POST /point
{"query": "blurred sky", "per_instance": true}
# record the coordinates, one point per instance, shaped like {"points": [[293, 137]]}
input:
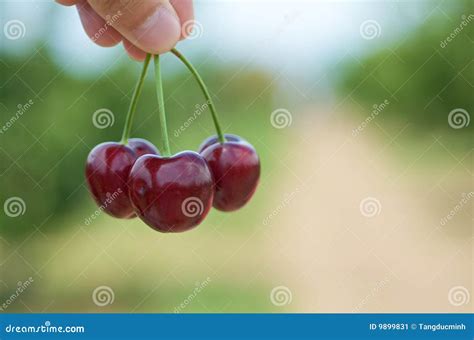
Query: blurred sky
{"points": [[283, 36]]}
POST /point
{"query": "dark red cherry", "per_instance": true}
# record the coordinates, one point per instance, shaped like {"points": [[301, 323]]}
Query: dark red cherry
{"points": [[107, 169], [235, 167], [171, 194], [142, 147], [214, 139]]}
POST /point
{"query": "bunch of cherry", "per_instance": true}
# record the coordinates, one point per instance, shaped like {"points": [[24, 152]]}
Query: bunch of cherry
{"points": [[171, 193]]}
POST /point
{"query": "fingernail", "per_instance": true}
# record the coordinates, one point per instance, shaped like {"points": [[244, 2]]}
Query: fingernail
{"points": [[159, 32]]}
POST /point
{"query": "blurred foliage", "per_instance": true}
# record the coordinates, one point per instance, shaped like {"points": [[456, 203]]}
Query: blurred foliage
{"points": [[423, 75], [44, 150]]}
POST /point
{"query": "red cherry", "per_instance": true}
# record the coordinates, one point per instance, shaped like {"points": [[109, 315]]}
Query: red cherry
{"points": [[107, 169], [142, 147], [235, 167], [214, 139], [171, 194]]}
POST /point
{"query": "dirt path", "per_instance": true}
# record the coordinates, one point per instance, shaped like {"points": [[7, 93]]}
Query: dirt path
{"points": [[398, 257]]}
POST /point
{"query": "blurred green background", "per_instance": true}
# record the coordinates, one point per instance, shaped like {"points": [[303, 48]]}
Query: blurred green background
{"points": [[43, 153]]}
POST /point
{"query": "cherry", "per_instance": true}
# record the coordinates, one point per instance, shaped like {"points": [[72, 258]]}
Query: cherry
{"points": [[142, 147], [214, 139], [171, 194], [235, 167], [234, 163], [107, 170]]}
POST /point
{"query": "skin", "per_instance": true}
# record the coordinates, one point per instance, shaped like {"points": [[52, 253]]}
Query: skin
{"points": [[151, 26]]}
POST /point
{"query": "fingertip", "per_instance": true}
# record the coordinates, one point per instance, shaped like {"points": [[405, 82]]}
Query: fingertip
{"points": [[153, 26], [68, 2], [133, 51], [98, 30], [159, 33], [185, 11]]}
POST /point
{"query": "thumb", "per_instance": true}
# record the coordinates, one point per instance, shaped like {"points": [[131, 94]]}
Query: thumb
{"points": [[152, 25]]}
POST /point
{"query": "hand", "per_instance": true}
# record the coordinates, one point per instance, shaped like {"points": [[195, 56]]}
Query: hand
{"points": [[144, 26]]}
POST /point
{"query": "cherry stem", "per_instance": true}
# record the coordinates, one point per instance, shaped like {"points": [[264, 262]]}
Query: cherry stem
{"points": [[161, 107], [205, 92], [133, 104]]}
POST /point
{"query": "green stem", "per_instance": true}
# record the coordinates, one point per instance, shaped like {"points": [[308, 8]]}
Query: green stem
{"points": [[205, 92], [161, 107], [133, 104]]}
